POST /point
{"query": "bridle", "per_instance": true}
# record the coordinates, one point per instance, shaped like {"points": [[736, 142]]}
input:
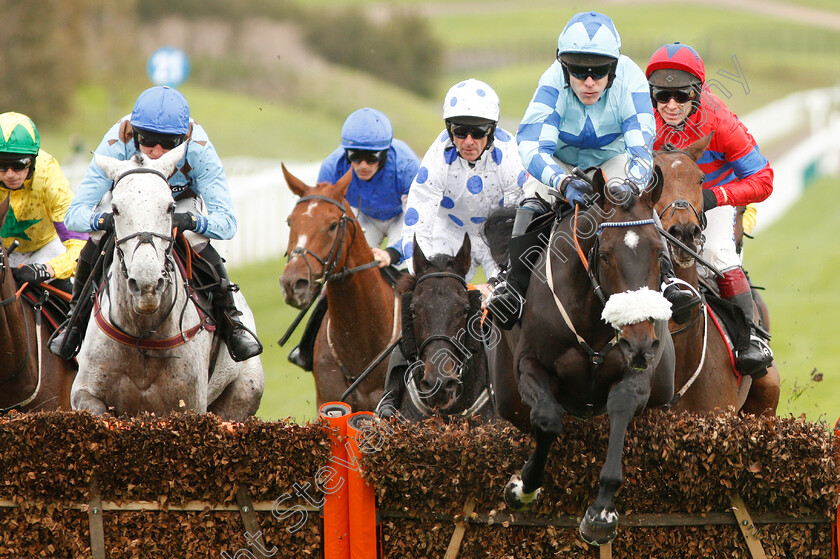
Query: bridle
{"points": [[337, 249], [682, 204], [440, 337], [592, 268]]}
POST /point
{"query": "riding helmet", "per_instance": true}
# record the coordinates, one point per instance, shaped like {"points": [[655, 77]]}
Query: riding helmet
{"points": [[675, 65], [18, 134], [367, 129], [163, 110]]}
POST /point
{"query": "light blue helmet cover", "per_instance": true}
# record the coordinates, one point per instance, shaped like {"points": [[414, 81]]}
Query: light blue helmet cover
{"points": [[163, 110], [367, 129], [590, 33]]}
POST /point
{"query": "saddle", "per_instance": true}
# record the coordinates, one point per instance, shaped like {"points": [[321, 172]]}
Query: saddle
{"points": [[729, 320]]}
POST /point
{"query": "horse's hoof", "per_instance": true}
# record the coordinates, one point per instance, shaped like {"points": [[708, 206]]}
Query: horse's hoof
{"points": [[599, 529], [515, 495]]}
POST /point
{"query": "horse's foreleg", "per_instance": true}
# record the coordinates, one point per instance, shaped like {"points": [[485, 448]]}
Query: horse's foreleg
{"points": [[627, 398], [83, 400], [546, 425]]}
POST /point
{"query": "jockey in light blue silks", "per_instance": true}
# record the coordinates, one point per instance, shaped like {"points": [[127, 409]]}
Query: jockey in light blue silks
{"points": [[471, 168], [159, 122], [383, 168], [591, 111]]}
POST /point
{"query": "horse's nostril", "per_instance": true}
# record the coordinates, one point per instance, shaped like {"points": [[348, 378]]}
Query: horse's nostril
{"points": [[161, 283], [450, 386], [301, 285], [132, 286], [428, 388]]}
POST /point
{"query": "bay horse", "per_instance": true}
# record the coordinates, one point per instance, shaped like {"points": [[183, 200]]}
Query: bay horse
{"points": [[704, 378], [443, 340], [593, 339], [31, 378], [149, 345], [328, 248]]}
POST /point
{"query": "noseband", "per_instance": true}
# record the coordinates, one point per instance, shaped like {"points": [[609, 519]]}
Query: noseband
{"points": [[681, 204], [329, 263]]}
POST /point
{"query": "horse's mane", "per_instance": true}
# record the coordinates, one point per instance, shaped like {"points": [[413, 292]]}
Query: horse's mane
{"points": [[437, 263], [496, 232]]}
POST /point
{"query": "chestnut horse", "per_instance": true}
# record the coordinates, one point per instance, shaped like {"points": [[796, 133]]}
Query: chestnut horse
{"points": [[31, 378], [704, 377], [327, 247], [593, 339]]}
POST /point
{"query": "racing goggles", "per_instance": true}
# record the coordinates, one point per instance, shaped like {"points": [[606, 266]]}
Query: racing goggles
{"points": [[369, 157], [477, 131], [582, 72], [152, 139], [680, 95], [16, 164]]}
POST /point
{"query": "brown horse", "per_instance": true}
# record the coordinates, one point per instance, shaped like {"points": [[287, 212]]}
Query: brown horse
{"points": [[31, 378], [704, 377], [327, 246], [593, 339]]}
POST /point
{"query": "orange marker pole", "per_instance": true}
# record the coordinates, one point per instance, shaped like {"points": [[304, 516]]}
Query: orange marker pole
{"points": [[332, 480], [365, 524]]}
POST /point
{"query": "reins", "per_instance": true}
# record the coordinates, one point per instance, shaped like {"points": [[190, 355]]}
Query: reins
{"points": [[328, 264]]}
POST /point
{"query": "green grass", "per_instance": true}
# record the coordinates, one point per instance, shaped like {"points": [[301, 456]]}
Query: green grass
{"points": [[797, 261]]}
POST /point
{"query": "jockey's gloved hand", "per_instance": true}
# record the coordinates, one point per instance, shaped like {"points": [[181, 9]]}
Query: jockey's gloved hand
{"points": [[32, 273], [104, 222], [709, 200], [576, 191], [184, 221]]}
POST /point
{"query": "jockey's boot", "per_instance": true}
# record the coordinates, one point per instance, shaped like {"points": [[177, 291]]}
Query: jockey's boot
{"points": [[755, 359], [682, 301], [391, 401], [241, 342], [65, 342], [508, 298], [303, 354]]}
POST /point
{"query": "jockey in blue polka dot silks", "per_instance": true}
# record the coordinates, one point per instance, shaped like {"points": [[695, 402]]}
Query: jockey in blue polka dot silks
{"points": [[591, 110], [471, 168]]}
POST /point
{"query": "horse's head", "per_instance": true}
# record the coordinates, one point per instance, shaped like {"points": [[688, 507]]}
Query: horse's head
{"points": [[438, 319], [142, 204], [318, 240], [680, 207], [624, 263]]}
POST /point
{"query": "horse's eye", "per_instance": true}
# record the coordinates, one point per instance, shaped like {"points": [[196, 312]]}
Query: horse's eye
{"points": [[171, 209], [604, 256], [115, 210], [334, 226]]}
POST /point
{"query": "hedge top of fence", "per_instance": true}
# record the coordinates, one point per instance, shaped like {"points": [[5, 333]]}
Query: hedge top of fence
{"points": [[672, 463]]}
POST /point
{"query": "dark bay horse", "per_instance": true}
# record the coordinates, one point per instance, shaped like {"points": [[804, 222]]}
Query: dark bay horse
{"points": [[704, 377], [327, 246], [443, 340], [31, 378], [593, 339]]}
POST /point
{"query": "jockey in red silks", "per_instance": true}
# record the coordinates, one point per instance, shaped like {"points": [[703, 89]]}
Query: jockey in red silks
{"points": [[737, 174]]}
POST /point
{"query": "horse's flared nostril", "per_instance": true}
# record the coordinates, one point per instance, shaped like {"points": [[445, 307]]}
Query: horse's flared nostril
{"points": [[133, 287], [428, 388], [161, 285]]}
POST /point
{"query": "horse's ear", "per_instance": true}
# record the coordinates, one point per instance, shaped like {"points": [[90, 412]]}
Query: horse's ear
{"points": [[420, 262], [343, 183], [598, 184], [464, 257], [696, 149], [113, 167], [654, 190], [4, 208], [296, 185], [168, 161]]}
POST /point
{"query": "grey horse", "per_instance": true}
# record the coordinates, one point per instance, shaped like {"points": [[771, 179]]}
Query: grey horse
{"points": [[147, 346]]}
